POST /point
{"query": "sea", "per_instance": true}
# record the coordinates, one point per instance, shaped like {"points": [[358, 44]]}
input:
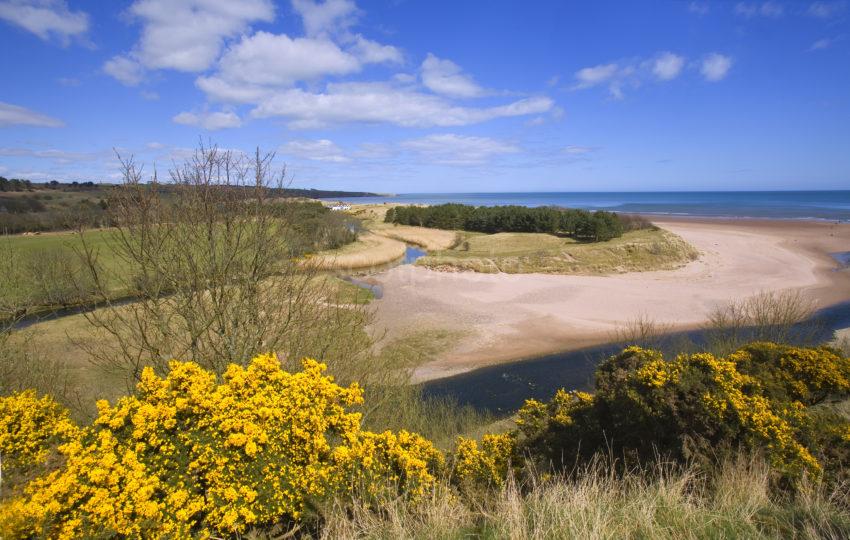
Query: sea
{"points": [[805, 205]]}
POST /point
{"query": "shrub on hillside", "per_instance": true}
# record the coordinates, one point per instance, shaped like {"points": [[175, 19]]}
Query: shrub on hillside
{"points": [[696, 406], [189, 455]]}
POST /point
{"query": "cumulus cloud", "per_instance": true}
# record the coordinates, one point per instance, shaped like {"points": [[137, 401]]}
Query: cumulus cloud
{"points": [[753, 9], [186, 35], [325, 17], [45, 18], [124, 69], [715, 67], [447, 78], [278, 60], [384, 103], [452, 149], [372, 52], [13, 115], [318, 150], [209, 120], [667, 66]]}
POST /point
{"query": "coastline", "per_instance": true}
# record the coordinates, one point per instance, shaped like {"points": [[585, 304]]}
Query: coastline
{"points": [[509, 317]]}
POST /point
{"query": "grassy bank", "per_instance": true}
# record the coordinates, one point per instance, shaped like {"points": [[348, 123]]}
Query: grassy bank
{"points": [[735, 501], [515, 253], [370, 250]]}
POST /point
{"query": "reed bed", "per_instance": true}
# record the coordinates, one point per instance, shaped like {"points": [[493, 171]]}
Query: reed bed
{"points": [[368, 251]]}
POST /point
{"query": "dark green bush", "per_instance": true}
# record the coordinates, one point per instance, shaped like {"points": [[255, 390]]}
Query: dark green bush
{"points": [[580, 224]]}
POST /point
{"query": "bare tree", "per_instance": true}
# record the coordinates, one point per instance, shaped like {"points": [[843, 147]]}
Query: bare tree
{"points": [[781, 317], [209, 260]]}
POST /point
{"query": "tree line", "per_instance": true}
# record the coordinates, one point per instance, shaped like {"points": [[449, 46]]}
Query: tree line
{"points": [[582, 225]]}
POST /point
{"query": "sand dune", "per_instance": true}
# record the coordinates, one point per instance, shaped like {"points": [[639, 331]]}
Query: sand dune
{"points": [[506, 317]]}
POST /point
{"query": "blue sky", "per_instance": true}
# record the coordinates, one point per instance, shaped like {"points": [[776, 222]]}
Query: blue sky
{"points": [[432, 96]]}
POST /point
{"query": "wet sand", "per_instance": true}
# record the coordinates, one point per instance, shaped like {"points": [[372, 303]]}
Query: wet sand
{"points": [[506, 317]]}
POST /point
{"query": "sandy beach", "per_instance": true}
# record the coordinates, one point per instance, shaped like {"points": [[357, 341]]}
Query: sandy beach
{"points": [[507, 317]]}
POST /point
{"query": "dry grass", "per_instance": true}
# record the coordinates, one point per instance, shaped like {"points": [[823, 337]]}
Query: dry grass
{"points": [[518, 253], [372, 218], [666, 502], [430, 239], [370, 250]]}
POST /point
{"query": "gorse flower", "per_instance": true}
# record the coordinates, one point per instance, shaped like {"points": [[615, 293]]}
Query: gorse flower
{"points": [[191, 456], [29, 427]]}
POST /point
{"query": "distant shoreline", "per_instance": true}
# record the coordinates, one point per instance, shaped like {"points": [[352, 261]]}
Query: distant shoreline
{"points": [[786, 205]]}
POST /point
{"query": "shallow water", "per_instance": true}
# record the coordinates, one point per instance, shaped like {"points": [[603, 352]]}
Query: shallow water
{"points": [[843, 259], [504, 388]]}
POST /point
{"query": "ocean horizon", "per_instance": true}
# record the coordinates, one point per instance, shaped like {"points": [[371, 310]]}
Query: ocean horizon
{"points": [[804, 205]]}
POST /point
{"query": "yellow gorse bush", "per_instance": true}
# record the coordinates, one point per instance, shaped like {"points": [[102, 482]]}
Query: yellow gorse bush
{"points": [[487, 466], [189, 455], [29, 427]]}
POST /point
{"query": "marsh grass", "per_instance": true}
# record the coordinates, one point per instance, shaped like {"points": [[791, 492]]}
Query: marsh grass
{"points": [[515, 253], [369, 251], [735, 500], [430, 239]]}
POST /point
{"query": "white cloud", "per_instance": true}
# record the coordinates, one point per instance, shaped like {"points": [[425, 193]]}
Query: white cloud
{"points": [[592, 76], [209, 121], [826, 10], [13, 115], [372, 52], [124, 69], [187, 35], [277, 60], [753, 9], [154, 145], [259, 66], [45, 18], [667, 66], [715, 67], [384, 103], [326, 17], [447, 78], [319, 150], [455, 149]]}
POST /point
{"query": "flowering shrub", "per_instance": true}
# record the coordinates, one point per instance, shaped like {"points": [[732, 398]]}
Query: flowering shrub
{"points": [[487, 466], [191, 456], [374, 462], [794, 373], [29, 427], [694, 406]]}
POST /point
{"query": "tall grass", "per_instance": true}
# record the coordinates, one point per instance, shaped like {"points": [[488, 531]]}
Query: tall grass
{"points": [[370, 250], [664, 501]]}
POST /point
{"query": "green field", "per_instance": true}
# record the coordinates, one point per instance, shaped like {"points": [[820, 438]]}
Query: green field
{"points": [[516, 253], [45, 271]]}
